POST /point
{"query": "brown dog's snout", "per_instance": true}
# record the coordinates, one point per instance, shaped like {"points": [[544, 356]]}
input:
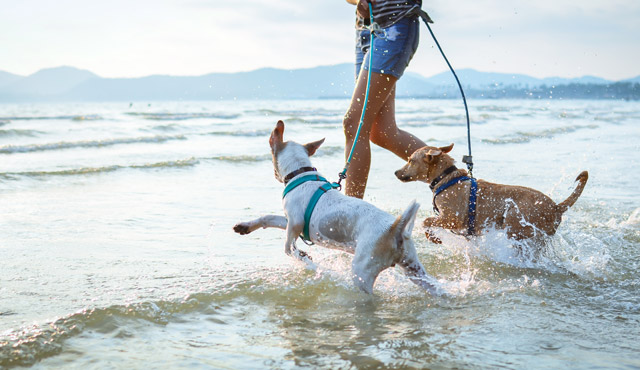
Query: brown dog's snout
{"points": [[402, 176]]}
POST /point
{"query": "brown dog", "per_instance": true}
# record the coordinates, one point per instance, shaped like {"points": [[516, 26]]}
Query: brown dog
{"points": [[523, 212]]}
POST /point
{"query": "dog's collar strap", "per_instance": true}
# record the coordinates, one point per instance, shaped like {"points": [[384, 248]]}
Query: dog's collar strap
{"points": [[297, 172], [473, 199], [299, 181], [442, 176]]}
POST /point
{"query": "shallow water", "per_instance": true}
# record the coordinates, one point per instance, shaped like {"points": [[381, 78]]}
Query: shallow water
{"points": [[116, 246]]}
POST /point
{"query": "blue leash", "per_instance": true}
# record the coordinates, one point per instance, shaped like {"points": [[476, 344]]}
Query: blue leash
{"points": [[468, 159], [342, 175]]}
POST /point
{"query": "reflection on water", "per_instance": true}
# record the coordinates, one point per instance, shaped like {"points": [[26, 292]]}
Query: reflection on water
{"points": [[117, 242]]}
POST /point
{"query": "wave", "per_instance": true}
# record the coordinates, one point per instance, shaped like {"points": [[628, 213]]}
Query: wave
{"points": [[30, 345], [17, 132], [181, 116], [246, 133], [12, 149], [241, 158], [329, 150], [450, 120], [299, 112], [493, 108], [168, 127], [323, 151], [189, 162], [88, 117], [314, 121], [525, 137]]}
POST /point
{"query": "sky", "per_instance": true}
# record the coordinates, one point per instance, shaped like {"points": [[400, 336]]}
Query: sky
{"points": [[134, 38]]}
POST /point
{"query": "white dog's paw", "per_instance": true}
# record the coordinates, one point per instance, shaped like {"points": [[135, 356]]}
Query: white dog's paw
{"points": [[303, 257], [242, 228]]}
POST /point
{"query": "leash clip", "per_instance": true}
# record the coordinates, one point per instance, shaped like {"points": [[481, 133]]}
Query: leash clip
{"points": [[375, 29], [469, 161], [341, 176]]}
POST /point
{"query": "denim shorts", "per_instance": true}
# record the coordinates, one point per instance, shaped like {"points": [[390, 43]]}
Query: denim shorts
{"points": [[393, 47]]}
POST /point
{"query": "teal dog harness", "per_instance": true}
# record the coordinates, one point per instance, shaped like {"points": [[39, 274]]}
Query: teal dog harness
{"points": [[314, 199]]}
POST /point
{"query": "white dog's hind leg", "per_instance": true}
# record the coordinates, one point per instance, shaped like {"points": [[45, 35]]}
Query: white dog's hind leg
{"points": [[243, 228], [365, 268]]}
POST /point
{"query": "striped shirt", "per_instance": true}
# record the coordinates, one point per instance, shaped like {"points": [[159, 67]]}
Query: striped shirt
{"points": [[388, 12]]}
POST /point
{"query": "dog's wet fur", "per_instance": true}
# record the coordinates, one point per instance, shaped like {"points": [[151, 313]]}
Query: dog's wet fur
{"points": [[524, 213], [375, 238]]}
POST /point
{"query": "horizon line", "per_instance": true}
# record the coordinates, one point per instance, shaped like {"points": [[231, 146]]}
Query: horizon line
{"points": [[306, 68]]}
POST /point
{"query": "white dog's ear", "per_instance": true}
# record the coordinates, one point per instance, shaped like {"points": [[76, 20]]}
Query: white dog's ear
{"points": [[313, 146], [276, 137], [446, 149], [431, 154]]}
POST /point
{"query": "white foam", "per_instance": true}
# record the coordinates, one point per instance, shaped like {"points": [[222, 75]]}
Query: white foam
{"points": [[633, 220]]}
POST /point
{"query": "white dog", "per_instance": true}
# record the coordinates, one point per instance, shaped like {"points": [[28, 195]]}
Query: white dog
{"points": [[375, 238]]}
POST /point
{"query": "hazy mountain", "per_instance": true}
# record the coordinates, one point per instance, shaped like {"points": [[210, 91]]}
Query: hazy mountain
{"points": [[7, 78], [72, 84], [265, 83], [475, 79], [633, 80], [47, 82]]}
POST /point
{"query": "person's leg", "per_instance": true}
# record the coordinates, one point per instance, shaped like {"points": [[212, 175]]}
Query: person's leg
{"points": [[385, 132], [381, 87]]}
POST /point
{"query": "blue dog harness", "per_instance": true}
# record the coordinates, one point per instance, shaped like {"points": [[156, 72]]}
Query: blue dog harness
{"points": [[314, 198], [473, 197]]}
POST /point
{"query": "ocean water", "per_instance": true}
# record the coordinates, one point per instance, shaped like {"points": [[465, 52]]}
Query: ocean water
{"points": [[117, 249]]}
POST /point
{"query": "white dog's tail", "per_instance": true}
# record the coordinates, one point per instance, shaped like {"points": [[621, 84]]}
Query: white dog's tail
{"points": [[403, 226]]}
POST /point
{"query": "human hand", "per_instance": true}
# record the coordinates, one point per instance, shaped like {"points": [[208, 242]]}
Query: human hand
{"points": [[363, 8]]}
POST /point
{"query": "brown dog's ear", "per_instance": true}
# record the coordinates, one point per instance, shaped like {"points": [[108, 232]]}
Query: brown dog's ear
{"points": [[277, 134], [313, 146], [431, 154], [446, 149]]}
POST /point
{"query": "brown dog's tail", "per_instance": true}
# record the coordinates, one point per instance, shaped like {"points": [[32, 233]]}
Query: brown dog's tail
{"points": [[582, 181]]}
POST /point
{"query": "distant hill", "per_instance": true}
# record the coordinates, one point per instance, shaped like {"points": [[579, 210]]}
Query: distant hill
{"points": [[475, 79], [49, 82], [337, 81], [633, 80], [267, 83], [7, 78]]}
